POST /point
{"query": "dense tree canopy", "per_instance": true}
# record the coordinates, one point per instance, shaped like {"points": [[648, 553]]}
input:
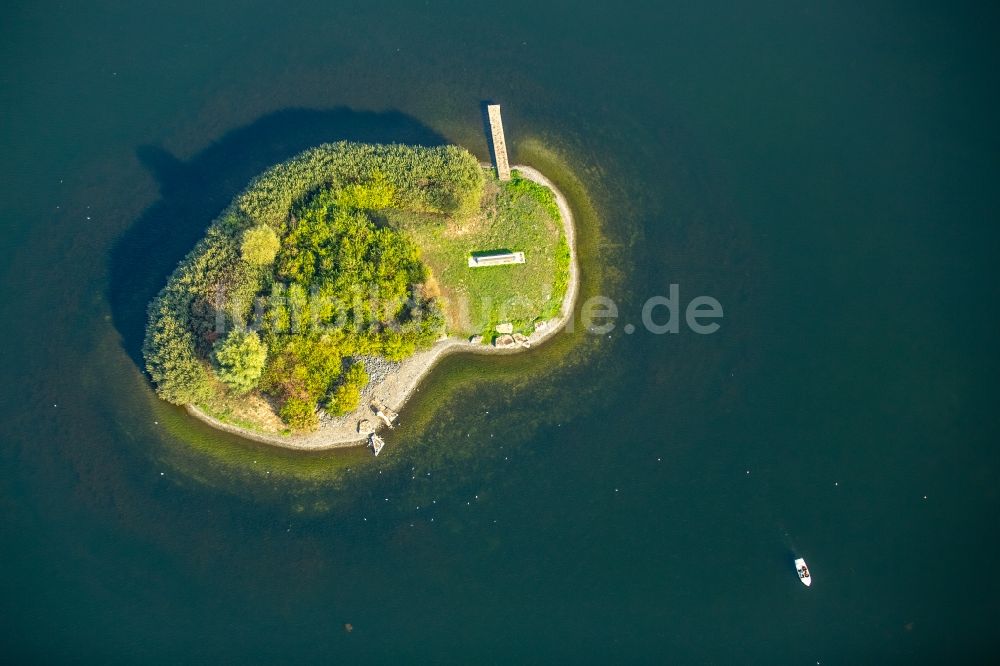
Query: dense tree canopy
{"points": [[305, 281]]}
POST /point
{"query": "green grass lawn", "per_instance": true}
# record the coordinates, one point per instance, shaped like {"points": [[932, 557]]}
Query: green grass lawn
{"points": [[517, 215]]}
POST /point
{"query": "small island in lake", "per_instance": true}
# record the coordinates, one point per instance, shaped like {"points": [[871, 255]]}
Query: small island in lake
{"points": [[322, 295]]}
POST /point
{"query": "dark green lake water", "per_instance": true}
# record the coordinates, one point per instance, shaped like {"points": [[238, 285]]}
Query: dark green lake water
{"points": [[828, 173]]}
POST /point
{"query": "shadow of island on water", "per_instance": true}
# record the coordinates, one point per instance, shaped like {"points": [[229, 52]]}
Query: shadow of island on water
{"points": [[194, 192]]}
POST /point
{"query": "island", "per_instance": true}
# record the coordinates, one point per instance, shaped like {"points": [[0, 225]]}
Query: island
{"points": [[325, 292]]}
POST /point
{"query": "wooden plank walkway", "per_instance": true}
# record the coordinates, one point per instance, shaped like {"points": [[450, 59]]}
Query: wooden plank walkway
{"points": [[499, 145]]}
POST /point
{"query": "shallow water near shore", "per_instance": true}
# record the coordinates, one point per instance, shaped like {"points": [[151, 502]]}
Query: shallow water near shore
{"points": [[825, 173]]}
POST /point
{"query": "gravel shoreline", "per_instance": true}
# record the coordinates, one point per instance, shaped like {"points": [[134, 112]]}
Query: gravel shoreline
{"points": [[394, 383]]}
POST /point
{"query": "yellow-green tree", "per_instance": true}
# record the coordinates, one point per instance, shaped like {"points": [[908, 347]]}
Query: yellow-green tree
{"points": [[346, 397], [240, 358], [260, 245]]}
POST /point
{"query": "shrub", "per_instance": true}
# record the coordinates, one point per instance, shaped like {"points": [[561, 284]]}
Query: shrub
{"points": [[299, 413]]}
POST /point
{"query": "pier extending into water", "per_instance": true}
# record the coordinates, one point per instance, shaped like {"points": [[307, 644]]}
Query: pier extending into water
{"points": [[499, 145]]}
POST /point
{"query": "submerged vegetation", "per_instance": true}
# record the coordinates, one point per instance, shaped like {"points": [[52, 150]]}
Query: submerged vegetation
{"points": [[346, 252]]}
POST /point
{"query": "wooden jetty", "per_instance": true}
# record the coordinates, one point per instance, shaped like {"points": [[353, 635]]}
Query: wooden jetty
{"points": [[499, 145]]}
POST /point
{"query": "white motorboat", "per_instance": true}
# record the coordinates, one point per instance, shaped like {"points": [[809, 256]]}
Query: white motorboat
{"points": [[376, 443], [803, 571]]}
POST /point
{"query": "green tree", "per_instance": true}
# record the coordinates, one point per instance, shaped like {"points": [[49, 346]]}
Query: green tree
{"points": [[180, 377], [347, 396], [260, 245], [240, 358]]}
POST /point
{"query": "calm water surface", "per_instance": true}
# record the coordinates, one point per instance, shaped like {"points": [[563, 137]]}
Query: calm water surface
{"points": [[827, 172]]}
